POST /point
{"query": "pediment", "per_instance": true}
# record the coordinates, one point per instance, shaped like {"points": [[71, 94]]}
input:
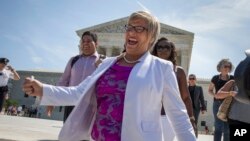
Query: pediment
{"points": [[117, 26]]}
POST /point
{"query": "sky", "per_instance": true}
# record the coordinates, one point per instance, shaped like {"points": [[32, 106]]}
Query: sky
{"points": [[40, 34]]}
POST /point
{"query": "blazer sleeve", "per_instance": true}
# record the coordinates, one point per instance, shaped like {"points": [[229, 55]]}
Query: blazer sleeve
{"points": [[63, 96], [175, 108]]}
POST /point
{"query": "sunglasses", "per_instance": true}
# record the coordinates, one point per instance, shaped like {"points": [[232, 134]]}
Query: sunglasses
{"points": [[227, 66], [1, 73], [137, 29], [191, 78], [163, 48]]}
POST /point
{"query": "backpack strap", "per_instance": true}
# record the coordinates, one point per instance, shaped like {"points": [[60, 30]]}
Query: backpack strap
{"points": [[74, 60], [99, 60], [101, 57]]}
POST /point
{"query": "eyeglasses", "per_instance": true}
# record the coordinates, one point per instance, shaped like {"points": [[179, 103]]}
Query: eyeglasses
{"points": [[1, 73], [137, 29], [191, 78], [163, 48]]}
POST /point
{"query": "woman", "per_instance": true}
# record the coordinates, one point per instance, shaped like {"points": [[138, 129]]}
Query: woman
{"points": [[224, 67], [122, 99], [239, 112], [166, 50]]}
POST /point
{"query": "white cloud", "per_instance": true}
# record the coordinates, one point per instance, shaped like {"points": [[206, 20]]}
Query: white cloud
{"points": [[217, 27], [212, 17], [33, 55], [52, 49]]}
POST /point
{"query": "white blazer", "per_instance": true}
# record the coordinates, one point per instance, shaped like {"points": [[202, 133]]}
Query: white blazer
{"points": [[151, 82]]}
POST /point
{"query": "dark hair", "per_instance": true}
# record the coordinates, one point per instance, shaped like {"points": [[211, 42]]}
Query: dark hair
{"points": [[4, 60], [89, 33], [192, 75], [173, 53], [124, 48]]}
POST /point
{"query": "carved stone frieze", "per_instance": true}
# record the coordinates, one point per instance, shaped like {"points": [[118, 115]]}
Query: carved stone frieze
{"points": [[114, 28], [117, 26]]}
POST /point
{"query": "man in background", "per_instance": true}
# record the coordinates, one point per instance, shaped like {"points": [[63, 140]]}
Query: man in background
{"points": [[80, 66], [196, 94]]}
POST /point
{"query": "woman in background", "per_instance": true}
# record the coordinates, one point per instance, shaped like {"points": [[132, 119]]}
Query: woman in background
{"points": [[166, 50], [224, 67]]}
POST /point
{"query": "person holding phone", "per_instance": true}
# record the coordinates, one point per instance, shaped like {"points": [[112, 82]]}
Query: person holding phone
{"points": [[6, 72]]}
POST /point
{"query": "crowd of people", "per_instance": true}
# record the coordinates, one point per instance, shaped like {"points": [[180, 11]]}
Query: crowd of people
{"points": [[31, 111], [142, 94]]}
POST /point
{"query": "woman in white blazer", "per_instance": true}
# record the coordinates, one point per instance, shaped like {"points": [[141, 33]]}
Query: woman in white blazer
{"points": [[136, 82]]}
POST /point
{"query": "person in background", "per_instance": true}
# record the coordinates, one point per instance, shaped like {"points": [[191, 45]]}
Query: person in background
{"points": [[122, 99], [196, 93], [79, 67], [166, 50], [6, 72], [19, 110], [224, 67], [206, 130], [239, 110]]}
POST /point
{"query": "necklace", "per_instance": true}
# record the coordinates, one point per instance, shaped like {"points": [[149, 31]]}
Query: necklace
{"points": [[127, 61], [224, 77]]}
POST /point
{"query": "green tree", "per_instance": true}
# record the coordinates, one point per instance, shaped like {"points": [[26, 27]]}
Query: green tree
{"points": [[10, 102]]}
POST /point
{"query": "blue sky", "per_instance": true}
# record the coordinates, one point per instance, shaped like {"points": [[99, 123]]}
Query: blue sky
{"points": [[40, 34]]}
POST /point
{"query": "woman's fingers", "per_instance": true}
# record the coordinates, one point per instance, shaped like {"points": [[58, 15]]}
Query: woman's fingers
{"points": [[32, 87], [27, 86]]}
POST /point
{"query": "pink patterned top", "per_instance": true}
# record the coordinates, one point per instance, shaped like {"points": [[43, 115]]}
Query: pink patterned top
{"points": [[110, 92]]}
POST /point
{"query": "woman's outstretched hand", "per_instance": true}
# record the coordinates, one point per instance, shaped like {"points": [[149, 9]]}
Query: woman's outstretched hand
{"points": [[33, 87]]}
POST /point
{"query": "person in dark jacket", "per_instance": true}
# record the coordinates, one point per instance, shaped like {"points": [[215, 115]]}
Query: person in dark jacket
{"points": [[196, 93]]}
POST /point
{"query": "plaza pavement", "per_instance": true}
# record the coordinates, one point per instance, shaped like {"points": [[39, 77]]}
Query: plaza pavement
{"points": [[13, 128]]}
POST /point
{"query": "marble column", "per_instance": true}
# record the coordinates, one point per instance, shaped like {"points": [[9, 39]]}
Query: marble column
{"points": [[108, 51]]}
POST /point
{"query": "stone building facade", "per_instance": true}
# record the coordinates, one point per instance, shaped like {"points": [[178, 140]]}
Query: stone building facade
{"points": [[16, 93]]}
